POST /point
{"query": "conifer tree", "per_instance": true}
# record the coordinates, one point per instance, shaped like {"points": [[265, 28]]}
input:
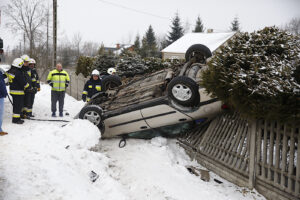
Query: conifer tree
{"points": [[199, 26], [137, 44], [101, 50], [177, 30], [235, 24], [149, 46]]}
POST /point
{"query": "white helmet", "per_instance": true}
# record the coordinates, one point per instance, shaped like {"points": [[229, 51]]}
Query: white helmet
{"points": [[25, 58], [32, 61], [18, 62], [95, 72], [111, 70]]}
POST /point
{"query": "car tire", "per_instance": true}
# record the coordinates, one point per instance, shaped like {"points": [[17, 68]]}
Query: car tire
{"points": [[184, 91], [110, 82], [94, 114], [197, 48]]}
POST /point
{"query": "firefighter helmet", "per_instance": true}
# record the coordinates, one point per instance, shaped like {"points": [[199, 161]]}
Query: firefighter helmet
{"points": [[111, 71], [95, 72], [25, 58], [18, 62], [32, 61]]}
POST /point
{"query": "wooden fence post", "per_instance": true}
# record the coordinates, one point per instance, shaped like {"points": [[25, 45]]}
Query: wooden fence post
{"points": [[252, 152]]}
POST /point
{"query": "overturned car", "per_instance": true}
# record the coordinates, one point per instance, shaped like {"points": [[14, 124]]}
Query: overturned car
{"points": [[166, 102]]}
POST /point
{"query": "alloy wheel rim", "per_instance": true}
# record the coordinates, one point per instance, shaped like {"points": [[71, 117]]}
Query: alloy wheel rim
{"points": [[93, 117], [182, 92]]}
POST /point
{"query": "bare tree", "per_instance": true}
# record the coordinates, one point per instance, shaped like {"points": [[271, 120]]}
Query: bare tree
{"points": [[76, 41], [90, 48], [293, 26], [28, 17]]}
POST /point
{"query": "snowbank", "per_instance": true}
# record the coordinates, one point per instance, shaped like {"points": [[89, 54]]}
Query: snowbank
{"points": [[57, 161]]}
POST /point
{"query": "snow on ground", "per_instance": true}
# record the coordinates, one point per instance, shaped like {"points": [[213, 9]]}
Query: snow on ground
{"points": [[53, 161]]}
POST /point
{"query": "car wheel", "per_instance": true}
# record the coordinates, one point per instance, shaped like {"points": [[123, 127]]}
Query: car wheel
{"points": [[184, 91], [92, 113], [110, 82], [197, 48]]}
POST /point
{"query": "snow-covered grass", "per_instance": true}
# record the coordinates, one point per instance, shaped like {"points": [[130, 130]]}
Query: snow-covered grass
{"points": [[53, 161]]}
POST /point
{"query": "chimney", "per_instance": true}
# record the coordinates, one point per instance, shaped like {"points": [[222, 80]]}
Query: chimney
{"points": [[118, 46], [210, 30]]}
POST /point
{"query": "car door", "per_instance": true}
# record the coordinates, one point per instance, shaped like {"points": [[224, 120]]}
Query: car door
{"points": [[163, 115], [124, 123]]}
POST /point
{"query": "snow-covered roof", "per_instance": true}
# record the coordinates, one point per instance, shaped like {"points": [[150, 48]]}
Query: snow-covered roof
{"points": [[211, 40]]}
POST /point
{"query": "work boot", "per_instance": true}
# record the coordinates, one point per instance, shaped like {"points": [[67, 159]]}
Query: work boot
{"points": [[53, 114], [3, 133], [20, 121], [30, 115], [61, 114]]}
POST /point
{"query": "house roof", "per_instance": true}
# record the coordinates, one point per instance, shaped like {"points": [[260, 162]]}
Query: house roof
{"points": [[211, 40]]}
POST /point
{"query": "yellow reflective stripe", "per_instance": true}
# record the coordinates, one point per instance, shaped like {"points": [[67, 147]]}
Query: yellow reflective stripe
{"points": [[17, 92], [26, 86], [28, 110], [90, 86], [16, 116], [33, 79], [38, 81], [58, 81], [84, 92], [29, 73], [10, 77], [88, 99], [98, 88]]}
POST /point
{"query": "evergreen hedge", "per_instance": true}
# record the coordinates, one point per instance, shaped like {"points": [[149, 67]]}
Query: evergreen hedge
{"points": [[258, 74]]}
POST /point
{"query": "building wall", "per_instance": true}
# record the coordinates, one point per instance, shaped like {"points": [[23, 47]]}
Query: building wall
{"points": [[169, 55]]}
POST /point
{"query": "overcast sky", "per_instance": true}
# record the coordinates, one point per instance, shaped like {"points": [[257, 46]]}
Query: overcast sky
{"points": [[119, 21]]}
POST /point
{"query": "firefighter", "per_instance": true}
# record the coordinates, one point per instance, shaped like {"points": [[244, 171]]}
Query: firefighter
{"points": [[59, 80], [92, 86], [26, 111], [35, 85], [17, 86]]}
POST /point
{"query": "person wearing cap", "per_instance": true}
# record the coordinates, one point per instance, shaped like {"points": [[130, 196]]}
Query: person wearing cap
{"points": [[59, 80], [17, 87], [35, 85], [3, 94], [27, 73], [92, 86]]}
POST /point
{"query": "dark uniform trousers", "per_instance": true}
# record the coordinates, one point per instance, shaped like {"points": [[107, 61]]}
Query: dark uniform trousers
{"points": [[28, 102], [57, 96], [18, 103]]}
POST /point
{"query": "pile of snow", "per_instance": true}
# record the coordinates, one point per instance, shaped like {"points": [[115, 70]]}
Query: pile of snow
{"points": [[43, 160]]}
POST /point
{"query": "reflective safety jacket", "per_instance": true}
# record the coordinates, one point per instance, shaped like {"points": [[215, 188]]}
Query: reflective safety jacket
{"points": [[27, 75], [58, 80], [91, 87], [17, 82], [35, 79]]}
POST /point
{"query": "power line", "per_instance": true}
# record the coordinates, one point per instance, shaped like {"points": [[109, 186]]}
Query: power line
{"points": [[135, 10]]}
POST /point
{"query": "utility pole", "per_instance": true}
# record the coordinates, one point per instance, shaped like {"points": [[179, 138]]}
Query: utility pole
{"points": [[54, 31]]}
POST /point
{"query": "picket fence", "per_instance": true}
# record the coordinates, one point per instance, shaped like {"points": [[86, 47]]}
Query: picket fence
{"points": [[259, 154]]}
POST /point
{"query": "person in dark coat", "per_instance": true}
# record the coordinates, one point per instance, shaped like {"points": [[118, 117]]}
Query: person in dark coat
{"points": [[3, 94], [17, 87], [27, 73], [92, 86], [35, 85]]}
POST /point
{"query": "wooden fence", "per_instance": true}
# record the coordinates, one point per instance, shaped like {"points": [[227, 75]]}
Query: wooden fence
{"points": [[76, 83], [261, 154]]}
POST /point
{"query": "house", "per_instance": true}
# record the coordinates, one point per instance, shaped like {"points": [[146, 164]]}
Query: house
{"points": [[212, 40], [118, 49]]}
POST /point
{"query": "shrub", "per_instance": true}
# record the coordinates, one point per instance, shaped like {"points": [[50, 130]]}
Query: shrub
{"points": [[257, 74]]}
